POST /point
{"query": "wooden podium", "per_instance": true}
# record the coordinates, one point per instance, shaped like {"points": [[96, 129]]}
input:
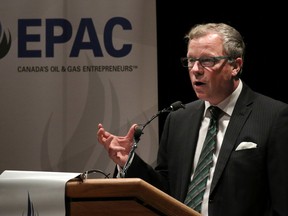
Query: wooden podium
{"points": [[117, 197]]}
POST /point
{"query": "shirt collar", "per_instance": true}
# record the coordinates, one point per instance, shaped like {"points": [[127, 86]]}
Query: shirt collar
{"points": [[228, 104]]}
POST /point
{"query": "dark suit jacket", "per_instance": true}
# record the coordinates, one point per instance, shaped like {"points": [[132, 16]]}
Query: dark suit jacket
{"points": [[246, 182]]}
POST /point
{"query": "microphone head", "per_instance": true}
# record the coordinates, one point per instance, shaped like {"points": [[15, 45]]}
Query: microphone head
{"points": [[177, 105], [137, 133]]}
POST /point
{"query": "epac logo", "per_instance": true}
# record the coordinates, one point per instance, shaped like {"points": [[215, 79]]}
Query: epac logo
{"points": [[50, 38], [5, 42]]}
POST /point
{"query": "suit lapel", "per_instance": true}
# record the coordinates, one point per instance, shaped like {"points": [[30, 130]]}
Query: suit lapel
{"points": [[190, 145], [241, 112]]}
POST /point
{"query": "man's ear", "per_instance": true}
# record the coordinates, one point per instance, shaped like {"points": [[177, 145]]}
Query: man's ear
{"points": [[237, 66]]}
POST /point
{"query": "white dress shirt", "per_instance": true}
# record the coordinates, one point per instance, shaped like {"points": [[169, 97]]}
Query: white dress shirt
{"points": [[227, 107]]}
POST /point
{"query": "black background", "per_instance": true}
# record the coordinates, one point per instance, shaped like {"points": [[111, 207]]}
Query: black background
{"points": [[263, 28]]}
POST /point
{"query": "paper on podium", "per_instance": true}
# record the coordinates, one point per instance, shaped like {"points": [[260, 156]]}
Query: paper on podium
{"points": [[33, 193]]}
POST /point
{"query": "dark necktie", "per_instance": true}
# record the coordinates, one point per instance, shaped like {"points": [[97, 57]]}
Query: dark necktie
{"points": [[198, 184]]}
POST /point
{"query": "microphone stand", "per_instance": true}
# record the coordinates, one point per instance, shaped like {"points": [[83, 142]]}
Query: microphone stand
{"points": [[139, 131], [137, 134], [130, 156]]}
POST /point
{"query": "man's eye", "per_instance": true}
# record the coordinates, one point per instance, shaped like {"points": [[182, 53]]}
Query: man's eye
{"points": [[207, 60]]}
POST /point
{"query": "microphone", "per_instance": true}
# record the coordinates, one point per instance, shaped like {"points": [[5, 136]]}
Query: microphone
{"points": [[139, 131], [173, 107]]}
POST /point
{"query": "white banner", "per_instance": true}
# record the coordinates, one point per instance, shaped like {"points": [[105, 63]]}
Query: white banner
{"points": [[65, 67], [33, 193]]}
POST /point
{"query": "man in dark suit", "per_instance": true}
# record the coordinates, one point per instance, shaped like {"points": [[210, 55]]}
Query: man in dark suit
{"points": [[249, 175]]}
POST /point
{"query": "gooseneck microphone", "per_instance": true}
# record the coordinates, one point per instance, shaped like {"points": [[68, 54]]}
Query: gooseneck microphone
{"points": [[173, 107], [139, 131]]}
